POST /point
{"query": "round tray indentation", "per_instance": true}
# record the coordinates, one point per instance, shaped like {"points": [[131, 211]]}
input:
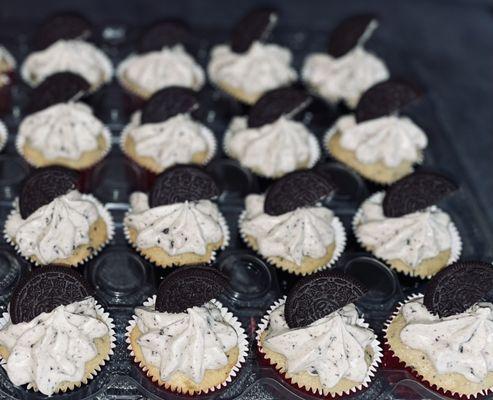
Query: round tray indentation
{"points": [[10, 270], [349, 184], [12, 171], [232, 178]]}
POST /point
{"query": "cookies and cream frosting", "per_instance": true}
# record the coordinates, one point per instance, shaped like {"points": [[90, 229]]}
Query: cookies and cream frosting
{"points": [[54, 347], [304, 232], [63, 130], [390, 140], [263, 67], [170, 66], [75, 56], [273, 149], [461, 343], [332, 348], [412, 238], [178, 228], [56, 229], [189, 342]]}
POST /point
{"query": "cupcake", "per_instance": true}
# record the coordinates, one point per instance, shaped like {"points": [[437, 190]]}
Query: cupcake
{"points": [[269, 141], [185, 340], [347, 70], [165, 132], [316, 339], [61, 47], [405, 228], [7, 62], [290, 228], [53, 223], [247, 67], [64, 133], [379, 144], [7, 68], [55, 337], [162, 61], [177, 223], [3, 135], [443, 337]]}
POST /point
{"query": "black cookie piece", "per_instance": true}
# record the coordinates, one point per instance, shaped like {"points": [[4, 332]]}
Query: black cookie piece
{"points": [[57, 88], [254, 26], [44, 289], [316, 296], [416, 192], [189, 287], [348, 34], [182, 183], [165, 33], [167, 103], [456, 288], [276, 103], [385, 98], [294, 190], [67, 25], [43, 185]]}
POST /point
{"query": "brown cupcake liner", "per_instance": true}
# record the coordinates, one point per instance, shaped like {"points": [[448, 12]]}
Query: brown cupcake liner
{"points": [[372, 369], [228, 317], [3, 135], [103, 213]]}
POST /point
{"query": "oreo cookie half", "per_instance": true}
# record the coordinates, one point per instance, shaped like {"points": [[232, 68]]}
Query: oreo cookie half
{"points": [[276, 103], [167, 103], [43, 185], [182, 183], [416, 192], [348, 34], [60, 87], [385, 98], [456, 288], [44, 289], [297, 189], [165, 33], [189, 287], [254, 26], [67, 25], [316, 296]]}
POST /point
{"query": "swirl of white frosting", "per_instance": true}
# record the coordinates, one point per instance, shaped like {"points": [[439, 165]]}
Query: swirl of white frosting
{"points": [[190, 342], [345, 78], [304, 232], [263, 67], [461, 343], [65, 130], [74, 56], [7, 61], [159, 69], [176, 228], [411, 238], [273, 149], [56, 229], [332, 347], [54, 347], [174, 141], [388, 139]]}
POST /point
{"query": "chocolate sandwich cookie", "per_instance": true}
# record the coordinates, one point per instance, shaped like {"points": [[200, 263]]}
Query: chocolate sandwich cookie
{"points": [[164, 33], [349, 33], [255, 26], [167, 103]]}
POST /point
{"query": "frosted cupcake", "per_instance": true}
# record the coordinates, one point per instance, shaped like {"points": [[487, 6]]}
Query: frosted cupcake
{"points": [[184, 339], [3, 135], [269, 141], [7, 62], [347, 70], [165, 132], [55, 336], [290, 228], [177, 223], [53, 223], [403, 226], [316, 339], [247, 67], [7, 68]]}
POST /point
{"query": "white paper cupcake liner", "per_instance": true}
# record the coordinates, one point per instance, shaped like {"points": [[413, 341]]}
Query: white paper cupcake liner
{"points": [[314, 154], [3, 135], [228, 318], [208, 135], [103, 213], [455, 239], [104, 317], [372, 369], [340, 245]]}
